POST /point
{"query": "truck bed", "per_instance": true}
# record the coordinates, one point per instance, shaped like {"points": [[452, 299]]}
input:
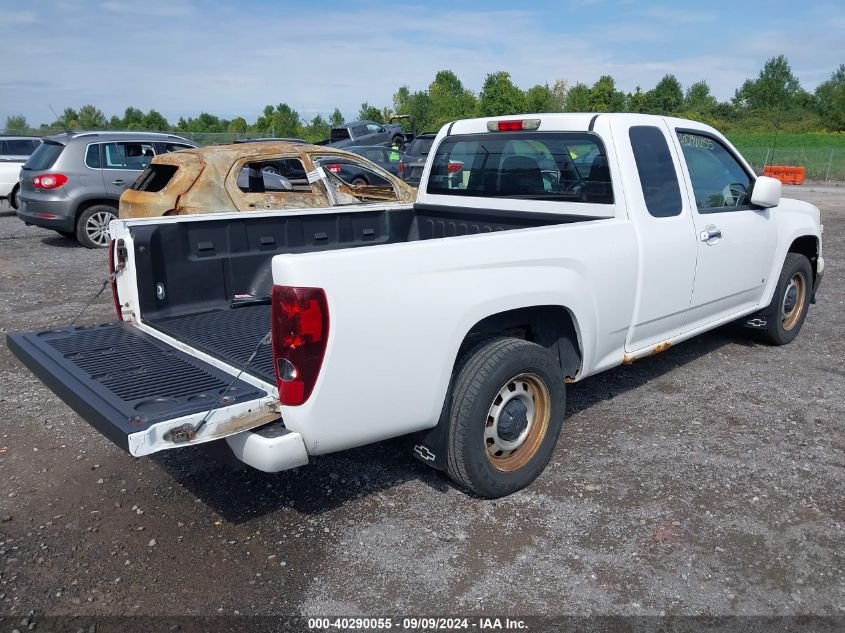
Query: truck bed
{"points": [[189, 273]]}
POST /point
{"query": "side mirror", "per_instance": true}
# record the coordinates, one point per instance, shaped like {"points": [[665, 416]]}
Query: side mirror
{"points": [[766, 192]]}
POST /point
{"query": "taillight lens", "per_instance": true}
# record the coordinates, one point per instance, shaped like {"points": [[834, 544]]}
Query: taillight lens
{"points": [[401, 168], [49, 181], [114, 282], [514, 125], [335, 169], [300, 334], [455, 166]]}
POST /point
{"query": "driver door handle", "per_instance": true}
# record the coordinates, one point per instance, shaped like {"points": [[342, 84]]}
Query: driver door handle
{"points": [[117, 182], [711, 235]]}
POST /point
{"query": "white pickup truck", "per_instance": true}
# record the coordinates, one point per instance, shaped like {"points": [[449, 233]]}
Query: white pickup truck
{"points": [[542, 249]]}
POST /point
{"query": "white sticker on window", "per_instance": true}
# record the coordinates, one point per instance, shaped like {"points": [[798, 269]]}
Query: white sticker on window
{"points": [[317, 174]]}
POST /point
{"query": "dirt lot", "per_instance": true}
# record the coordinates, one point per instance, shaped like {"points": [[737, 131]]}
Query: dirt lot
{"points": [[707, 480]]}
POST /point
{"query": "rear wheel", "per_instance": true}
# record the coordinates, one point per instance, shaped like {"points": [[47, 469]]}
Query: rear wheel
{"points": [[788, 309], [398, 141], [358, 181], [13, 197], [506, 411], [92, 227]]}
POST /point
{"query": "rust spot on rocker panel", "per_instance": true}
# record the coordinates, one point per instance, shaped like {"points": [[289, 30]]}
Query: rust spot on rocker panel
{"points": [[627, 359]]}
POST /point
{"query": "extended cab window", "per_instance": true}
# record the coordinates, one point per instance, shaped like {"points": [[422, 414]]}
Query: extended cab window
{"points": [[657, 173], [719, 182], [565, 166]]}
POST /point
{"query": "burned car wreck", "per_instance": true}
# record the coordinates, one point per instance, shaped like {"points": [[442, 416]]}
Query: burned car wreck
{"points": [[258, 176]]}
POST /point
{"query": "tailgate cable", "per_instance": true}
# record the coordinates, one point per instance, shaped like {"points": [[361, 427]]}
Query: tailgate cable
{"points": [[187, 432], [110, 279]]}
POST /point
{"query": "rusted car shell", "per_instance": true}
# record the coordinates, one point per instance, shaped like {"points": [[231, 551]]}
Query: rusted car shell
{"points": [[206, 181]]}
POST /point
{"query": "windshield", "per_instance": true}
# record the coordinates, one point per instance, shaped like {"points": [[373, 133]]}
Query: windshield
{"points": [[565, 166], [420, 146], [44, 156]]}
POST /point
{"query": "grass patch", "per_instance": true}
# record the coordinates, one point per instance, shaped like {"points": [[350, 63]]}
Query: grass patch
{"points": [[810, 150]]}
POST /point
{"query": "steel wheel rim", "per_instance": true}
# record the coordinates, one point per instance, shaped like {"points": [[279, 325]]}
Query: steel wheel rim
{"points": [[97, 227], [510, 455], [792, 305]]}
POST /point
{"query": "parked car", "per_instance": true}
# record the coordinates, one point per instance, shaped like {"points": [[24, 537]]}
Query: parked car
{"points": [[14, 151], [385, 157], [72, 182], [412, 163], [366, 133], [459, 319], [258, 176]]}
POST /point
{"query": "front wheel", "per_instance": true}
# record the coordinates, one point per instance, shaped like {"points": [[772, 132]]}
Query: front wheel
{"points": [[92, 227], [788, 309], [13, 197], [506, 411]]}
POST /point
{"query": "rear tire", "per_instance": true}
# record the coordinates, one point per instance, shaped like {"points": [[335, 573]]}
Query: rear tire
{"points": [[358, 181], [398, 141], [92, 225], [788, 309], [13, 197], [506, 411]]}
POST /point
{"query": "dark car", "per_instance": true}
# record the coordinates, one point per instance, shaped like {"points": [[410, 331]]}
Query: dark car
{"points": [[412, 163], [366, 133], [385, 157]]}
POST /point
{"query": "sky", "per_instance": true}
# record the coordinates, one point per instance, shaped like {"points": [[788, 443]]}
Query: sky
{"points": [[231, 58]]}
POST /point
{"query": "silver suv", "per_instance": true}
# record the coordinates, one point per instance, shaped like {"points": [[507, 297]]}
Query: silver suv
{"points": [[72, 182]]}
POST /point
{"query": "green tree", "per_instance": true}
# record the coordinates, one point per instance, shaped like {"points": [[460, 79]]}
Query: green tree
{"points": [[154, 120], [90, 118], [336, 118], [578, 98], [15, 123], [238, 125], [68, 119], [500, 96], [418, 105], [133, 119], [317, 130], [370, 113], [604, 97], [830, 97], [448, 100], [281, 121], [666, 97], [699, 99], [541, 98], [636, 101], [775, 87]]}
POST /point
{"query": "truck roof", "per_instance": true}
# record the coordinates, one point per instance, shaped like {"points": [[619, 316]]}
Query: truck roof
{"points": [[560, 121]]}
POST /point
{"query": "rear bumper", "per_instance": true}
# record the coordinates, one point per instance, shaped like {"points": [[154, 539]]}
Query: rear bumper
{"points": [[51, 214], [270, 448]]}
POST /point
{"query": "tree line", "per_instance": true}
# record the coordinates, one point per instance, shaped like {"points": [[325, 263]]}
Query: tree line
{"points": [[772, 100]]}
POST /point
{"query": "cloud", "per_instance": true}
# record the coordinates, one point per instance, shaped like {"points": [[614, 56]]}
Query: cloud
{"points": [[155, 8]]}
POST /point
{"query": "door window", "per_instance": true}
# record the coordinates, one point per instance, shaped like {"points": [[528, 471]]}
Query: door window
{"points": [[175, 147], [135, 156], [373, 128], [657, 173], [719, 181], [274, 176], [92, 156]]}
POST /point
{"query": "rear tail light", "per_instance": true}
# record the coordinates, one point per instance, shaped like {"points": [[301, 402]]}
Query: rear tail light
{"points": [[335, 169], [114, 282], [401, 168], [300, 334], [49, 181], [514, 125], [455, 166]]}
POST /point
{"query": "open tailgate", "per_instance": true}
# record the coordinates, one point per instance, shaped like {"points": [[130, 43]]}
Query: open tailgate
{"points": [[132, 387]]}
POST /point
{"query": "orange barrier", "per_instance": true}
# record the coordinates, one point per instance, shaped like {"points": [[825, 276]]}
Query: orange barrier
{"points": [[787, 175]]}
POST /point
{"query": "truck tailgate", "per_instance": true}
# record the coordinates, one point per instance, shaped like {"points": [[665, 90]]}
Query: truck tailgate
{"points": [[124, 382]]}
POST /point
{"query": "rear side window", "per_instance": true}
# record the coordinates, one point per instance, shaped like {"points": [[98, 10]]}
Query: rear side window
{"points": [[557, 166], [274, 176], [175, 147], [154, 178], [17, 147], [92, 156], [339, 134], [134, 155], [44, 156], [658, 178]]}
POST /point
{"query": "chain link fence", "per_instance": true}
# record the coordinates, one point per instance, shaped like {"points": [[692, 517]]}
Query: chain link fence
{"points": [[826, 164]]}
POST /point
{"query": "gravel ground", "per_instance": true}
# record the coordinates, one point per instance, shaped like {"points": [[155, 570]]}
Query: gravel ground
{"points": [[706, 480]]}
